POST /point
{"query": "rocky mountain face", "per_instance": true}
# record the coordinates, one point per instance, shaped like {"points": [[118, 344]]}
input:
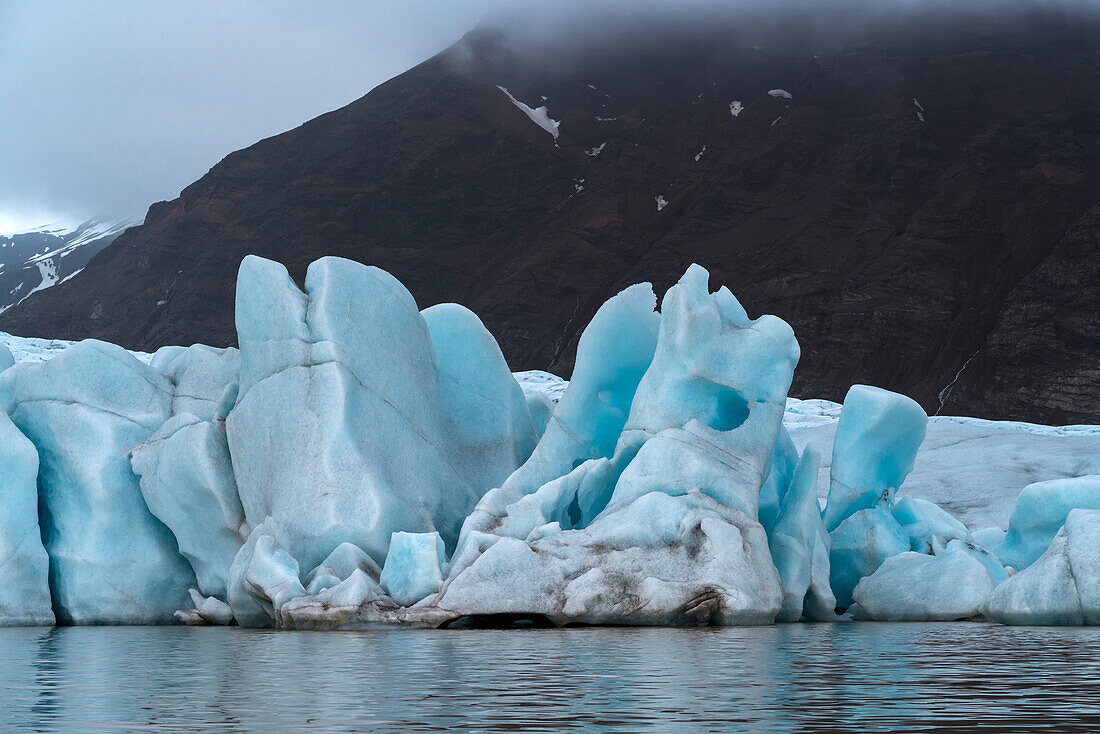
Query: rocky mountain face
{"points": [[921, 204]]}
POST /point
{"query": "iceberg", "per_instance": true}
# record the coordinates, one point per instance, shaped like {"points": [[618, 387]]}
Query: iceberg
{"points": [[186, 478], [263, 576], [484, 411], [859, 546], [339, 431], [111, 560], [663, 527], [873, 451], [800, 549], [915, 587], [24, 565], [1062, 587], [360, 462], [1040, 510], [927, 525]]}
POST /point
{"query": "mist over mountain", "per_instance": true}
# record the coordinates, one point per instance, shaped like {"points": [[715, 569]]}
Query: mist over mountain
{"points": [[914, 187]]}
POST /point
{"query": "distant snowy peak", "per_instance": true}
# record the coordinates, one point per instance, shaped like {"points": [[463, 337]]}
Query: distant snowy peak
{"points": [[40, 258]]}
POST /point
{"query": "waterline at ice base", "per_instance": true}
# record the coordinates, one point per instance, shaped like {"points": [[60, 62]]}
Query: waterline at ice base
{"points": [[359, 463]]}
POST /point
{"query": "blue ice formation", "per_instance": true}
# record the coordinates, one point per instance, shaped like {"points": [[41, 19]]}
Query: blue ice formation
{"points": [[953, 584], [24, 565], [876, 443], [800, 548], [653, 519], [1062, 587], [1041, 509], [360, 462], [414, 567], [111, 560], [339, 431]]}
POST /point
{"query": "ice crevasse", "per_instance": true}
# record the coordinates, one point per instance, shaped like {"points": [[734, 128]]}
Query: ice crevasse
{"points": [[361, 462]]}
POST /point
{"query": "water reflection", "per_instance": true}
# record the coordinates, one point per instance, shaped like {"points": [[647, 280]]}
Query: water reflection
{"points": [[870, 677]]}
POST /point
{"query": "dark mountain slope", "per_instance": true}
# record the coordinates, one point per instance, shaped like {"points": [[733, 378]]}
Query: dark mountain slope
{"points": [[925, 199]]}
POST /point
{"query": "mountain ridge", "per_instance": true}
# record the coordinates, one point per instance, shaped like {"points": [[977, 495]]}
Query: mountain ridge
{"points": [[916, 209]]}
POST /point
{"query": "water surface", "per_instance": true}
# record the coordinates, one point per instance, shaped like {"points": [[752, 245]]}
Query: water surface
{"points": [[833, 677]]}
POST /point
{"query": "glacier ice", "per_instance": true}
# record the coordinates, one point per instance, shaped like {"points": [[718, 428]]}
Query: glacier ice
{"points": [[186, 478], [24, 565], [927, 525], [1040, 510], [663, 528], [360, 462], [912, 586], [988, 538], [1062, 587], [873, 451], [338, 566], [485, 414], [208, 610], [339, 431], [800, 549], [111, 560], [263, 576], [414, 567], [859, 546]]}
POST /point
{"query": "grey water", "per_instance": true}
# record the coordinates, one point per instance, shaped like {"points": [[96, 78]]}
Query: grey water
{"points": [[827, 677]]}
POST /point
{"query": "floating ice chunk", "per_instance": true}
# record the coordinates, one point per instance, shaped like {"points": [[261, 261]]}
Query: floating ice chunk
{"points": [[595, 151], [800, 549], [414, 567], [339, 432], [186, 478], [928, 526], [736, 108], [208, 610], [859, 545], [873, 451], [780, 93], [1062, 587], [484, 412], [539, 115], [662, 202], [85, 410], [1040, 510], [700, 154], [24, 583], [917, 587]]}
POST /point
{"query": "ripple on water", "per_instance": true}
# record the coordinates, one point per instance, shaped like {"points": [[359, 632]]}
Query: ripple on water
{"points": [[838, 677]]}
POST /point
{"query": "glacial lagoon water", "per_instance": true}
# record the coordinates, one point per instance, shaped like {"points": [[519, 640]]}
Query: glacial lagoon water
{"points": [[826, 677]]}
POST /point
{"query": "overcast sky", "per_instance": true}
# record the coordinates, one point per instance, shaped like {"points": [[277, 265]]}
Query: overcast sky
{"points": [[109, 105]]}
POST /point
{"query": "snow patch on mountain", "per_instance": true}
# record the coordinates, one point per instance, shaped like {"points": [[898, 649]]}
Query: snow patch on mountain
{"points": [[539, 115]]}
